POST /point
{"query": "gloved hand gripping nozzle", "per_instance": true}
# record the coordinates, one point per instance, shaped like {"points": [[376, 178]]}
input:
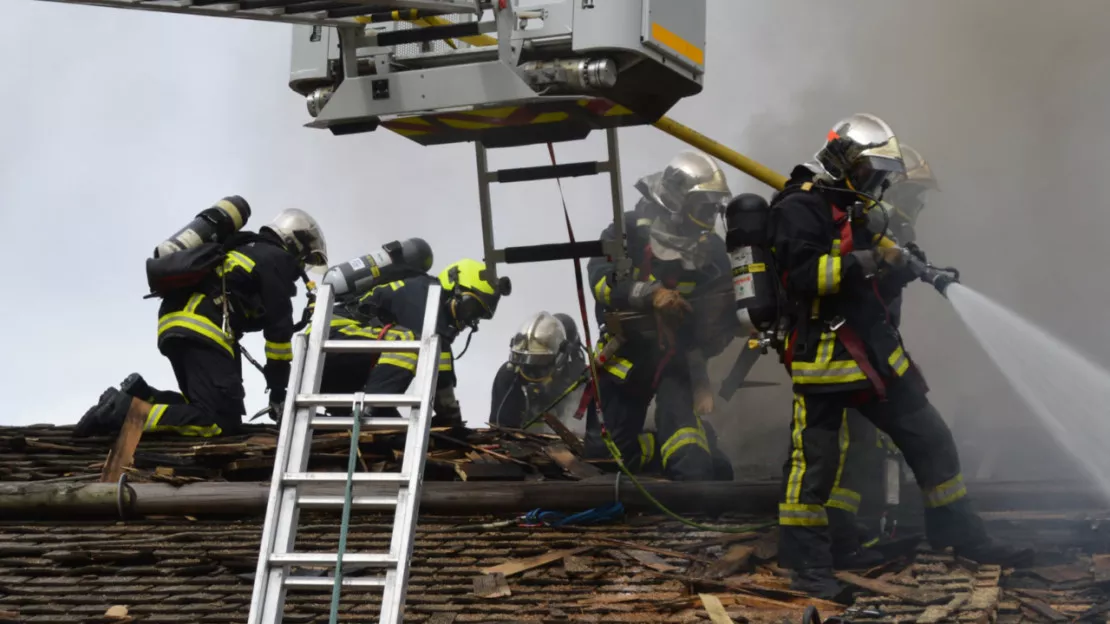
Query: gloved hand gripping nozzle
{"points": [[940, 277]]}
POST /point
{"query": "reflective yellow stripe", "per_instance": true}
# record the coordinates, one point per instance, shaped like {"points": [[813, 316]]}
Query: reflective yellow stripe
{"points": [[153, 424], [826, 346], [684, 437], [686, 288], [618, 367], [837, 371], [190, 320], [602, 291], [281, 351], [828, 275], [946, 493], [834, 499], [835, 251], [406, 361], [335, 322], [899, 361], [235, 259], [642, 222], [797, 454], [795, 514], [444, 361], [842, 498], [647, 448]]}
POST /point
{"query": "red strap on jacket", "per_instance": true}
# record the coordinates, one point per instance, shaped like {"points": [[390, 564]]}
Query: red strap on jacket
{"points": [[587, 396], [854, 344]]}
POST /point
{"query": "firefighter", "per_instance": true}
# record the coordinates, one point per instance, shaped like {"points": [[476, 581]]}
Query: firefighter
{"points": [[467, 298], [547, 370], [250, 291], [347, 373], [663, 319], [843, 352], [863, 448]]}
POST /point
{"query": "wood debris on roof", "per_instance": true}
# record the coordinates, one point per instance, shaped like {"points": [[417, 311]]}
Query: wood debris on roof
{"points": [[44, 452], [482, 569]]}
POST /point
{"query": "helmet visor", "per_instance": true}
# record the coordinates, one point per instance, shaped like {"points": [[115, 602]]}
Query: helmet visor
{"points": [[869, 174]]}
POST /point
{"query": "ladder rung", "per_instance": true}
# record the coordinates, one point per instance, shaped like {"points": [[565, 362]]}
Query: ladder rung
{"points": [[336, 502], [369, 423], [315, 582], [347, 400], [554, 251], [371, 346], [547, 172], [383, 559], [292, 478]]}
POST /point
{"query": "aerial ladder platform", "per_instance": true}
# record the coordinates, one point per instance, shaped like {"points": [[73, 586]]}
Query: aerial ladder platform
{"points": [[500, 74]]}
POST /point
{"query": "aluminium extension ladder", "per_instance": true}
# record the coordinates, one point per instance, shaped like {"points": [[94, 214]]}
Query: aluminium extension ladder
{"points": [[397, 491]]}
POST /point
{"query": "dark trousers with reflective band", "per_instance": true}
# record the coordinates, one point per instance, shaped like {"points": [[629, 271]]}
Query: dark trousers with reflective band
{"points": [[211, 398], [860, 472], [683, 451], [811, 470]]}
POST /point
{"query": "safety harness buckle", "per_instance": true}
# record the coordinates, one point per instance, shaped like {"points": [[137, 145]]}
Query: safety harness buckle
{"points": [[836, 323]]}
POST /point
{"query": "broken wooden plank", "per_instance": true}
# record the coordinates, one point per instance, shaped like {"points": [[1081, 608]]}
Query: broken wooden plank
{"points": [[570, 462], [517, 566], [1063, 573], [659, 551], [715, 609], [906, 594], [123, 451], [651, 560], [938, 613], [565, 434], [491, 586], [721, 541], [1041, 607], [732, 562], [1100, 565], [489, 472]]}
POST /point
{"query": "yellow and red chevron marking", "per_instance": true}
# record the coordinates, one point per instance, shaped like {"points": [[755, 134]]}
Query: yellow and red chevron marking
{"points": [[500, 117]]}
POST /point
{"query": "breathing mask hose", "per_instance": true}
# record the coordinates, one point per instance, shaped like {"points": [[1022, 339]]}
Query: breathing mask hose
{"points": [[310, 303]]}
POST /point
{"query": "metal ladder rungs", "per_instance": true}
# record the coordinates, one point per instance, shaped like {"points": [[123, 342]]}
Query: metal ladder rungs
{"points": [[346, 400], [371, 346], [375, 559], [314, 582], [548, 172], [293, 478], [336, 502], [368, 424]]}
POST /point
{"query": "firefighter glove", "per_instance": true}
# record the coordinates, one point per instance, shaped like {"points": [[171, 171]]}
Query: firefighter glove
{"points": [[891, 256], [669, 303], [868, 261]]}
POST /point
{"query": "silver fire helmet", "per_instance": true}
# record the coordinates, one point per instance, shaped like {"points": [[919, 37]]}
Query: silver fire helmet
{"points": [[301, 235], [918, 170], [690, 190], [537, 348], [569, 326], [862, 151], [906, 199]]}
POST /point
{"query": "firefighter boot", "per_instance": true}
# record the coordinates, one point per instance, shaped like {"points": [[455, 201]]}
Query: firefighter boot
{"points": [[137, 387], [106, 417], [817, 582], [847, 550]]}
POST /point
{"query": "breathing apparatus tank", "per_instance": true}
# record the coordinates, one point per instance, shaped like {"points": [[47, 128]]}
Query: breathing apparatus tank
{"points": [[212, 225], [396, 260], [754, 284]]}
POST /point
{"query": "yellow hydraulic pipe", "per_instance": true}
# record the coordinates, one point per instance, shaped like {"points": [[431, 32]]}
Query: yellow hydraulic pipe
{"points": [[756, 170]]}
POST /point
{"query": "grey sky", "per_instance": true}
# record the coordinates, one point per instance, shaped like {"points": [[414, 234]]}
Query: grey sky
{"points": [[123, 124]]}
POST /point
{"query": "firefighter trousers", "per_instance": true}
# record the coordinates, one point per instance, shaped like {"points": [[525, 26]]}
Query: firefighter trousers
{"points": [[211, 399], [859, 476], [684, 452], [811, 471]]}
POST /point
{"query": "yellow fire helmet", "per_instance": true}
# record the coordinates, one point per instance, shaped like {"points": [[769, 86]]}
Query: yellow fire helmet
{"points": [[474, 297]]}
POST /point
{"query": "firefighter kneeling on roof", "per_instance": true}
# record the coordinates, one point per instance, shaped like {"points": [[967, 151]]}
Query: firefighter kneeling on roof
{"points": [[395, 311], [664, 320], [843, 352], [217, 283]]}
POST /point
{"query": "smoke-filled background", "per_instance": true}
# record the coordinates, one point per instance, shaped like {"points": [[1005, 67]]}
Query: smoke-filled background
{"points": [[120, 126]]}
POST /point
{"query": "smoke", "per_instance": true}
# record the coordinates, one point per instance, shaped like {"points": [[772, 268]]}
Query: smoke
{"points": [[1002, 98]]}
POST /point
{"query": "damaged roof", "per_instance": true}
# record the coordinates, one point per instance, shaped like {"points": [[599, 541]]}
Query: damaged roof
{"points": [[486, 568]]}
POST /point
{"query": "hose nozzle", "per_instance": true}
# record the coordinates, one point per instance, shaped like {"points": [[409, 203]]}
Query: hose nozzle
{"points": [[940, 277]]}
